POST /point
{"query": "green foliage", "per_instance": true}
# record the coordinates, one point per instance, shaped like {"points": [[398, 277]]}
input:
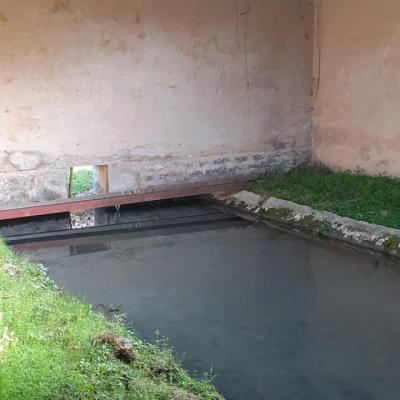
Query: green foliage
{"points": [[319, 228], [323, 229], [50, 347], [82, 181], [365, 198]]}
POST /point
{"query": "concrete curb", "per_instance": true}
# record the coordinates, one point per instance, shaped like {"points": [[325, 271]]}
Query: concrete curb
{"points": [[302, 219]]}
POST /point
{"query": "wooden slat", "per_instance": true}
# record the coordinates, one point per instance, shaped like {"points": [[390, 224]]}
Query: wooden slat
{"points": [[93, 202]]}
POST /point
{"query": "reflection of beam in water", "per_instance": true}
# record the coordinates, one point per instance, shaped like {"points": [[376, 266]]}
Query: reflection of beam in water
{"points": [[137, 226], [89, 248], [128, 233]]}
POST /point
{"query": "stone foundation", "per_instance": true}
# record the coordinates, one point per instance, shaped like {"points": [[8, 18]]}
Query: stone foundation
{"points": [[22, 188]]}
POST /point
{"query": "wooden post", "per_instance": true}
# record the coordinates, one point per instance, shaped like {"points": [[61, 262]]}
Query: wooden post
{"points": [[100, 179]]}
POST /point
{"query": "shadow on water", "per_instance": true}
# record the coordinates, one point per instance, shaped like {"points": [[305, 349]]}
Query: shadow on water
{"points": [[271, 315]]}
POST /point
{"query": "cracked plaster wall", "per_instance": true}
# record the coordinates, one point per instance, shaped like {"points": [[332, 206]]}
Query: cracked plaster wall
{"points": [[164, 91]]}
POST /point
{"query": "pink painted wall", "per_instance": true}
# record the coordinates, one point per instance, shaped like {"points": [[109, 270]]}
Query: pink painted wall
{"points": [[357, 118], [164, 91], [176, 91]]}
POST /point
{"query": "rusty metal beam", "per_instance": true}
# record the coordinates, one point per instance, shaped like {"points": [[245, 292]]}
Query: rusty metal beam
{"points": [[93, 202]]}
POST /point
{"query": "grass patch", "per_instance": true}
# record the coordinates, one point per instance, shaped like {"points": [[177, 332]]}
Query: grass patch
{"points": [[52, 347], [82, 181], [361, 197]]}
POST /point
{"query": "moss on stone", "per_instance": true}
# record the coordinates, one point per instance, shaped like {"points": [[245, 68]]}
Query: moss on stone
{"points": [[310, 222], [281, 214], [392, 244]]}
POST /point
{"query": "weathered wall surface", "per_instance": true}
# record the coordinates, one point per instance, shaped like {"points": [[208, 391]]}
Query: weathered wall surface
{"points": [[357, 118], [164, 91]]}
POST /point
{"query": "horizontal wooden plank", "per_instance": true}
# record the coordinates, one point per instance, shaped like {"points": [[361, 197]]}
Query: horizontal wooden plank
{"points": [[93, 202]]}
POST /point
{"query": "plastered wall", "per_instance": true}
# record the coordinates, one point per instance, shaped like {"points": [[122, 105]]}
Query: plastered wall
{"points": [[357, 118], [163, 91]]}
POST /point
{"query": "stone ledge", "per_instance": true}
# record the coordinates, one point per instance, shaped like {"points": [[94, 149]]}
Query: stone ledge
{"points": [[294, 217]]}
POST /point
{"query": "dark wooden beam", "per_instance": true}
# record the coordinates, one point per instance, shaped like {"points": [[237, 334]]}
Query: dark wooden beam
{"points": [[93, 202]]}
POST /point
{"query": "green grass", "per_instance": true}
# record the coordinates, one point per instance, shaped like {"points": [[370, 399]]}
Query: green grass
{"points": [[50, 347], [82, 181], [361, 197]]}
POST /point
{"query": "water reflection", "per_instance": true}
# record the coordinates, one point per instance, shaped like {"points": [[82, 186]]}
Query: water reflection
{"points": [[271, 315], [90, 248]]}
